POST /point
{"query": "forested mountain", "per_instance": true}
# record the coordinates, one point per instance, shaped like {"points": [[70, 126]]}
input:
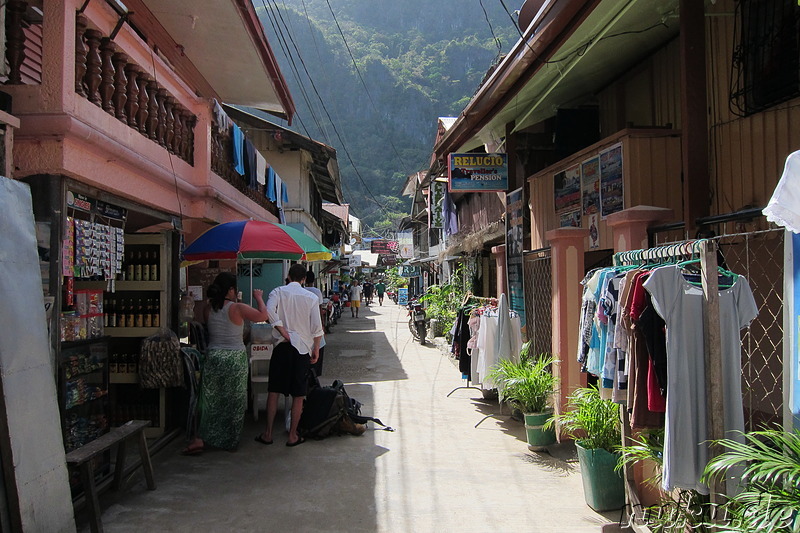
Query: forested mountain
{"points": [[370, 78]]}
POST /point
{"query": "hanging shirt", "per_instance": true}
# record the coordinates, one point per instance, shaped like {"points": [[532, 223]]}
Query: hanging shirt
{"points": [[681, 305]]}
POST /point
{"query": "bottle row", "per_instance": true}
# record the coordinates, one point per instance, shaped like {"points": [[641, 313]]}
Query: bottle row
{"points": [[140, 266], [132, 313], [124, 363]]}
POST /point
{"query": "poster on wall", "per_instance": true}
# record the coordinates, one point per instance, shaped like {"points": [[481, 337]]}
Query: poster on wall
{"points": [[590, 185], [611, 191], [405, 241], [567, 187], [435, 212], [515, 244], [570, 219], [594, 231], [477, 172]]}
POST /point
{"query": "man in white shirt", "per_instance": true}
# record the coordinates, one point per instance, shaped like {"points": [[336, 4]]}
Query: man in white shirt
{"points": [[294, 313], [355, 298]]}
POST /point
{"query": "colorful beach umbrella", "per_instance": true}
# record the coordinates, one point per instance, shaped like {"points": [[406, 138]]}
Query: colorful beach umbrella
{"points": [[255, 239]]}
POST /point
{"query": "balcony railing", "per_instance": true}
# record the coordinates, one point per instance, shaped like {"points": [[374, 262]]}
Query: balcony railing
{"points": [[109, 79]]}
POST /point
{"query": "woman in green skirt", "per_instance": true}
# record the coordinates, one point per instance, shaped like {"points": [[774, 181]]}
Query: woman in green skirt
{"points": [[223, 389]]}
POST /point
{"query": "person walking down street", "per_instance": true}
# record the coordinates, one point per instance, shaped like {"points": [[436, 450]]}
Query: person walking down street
{"points": [[310, 278], [380, 288], [223, 390], [294, 313], [367, 288], [355, 298]]}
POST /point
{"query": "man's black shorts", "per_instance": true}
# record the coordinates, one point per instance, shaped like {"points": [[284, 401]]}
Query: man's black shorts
{"points": [[288, 370]]}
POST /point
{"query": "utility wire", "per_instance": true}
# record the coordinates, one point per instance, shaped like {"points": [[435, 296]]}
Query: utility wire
{"points": [[491, 29], [335, 129], [363, 83], [295, 71]]}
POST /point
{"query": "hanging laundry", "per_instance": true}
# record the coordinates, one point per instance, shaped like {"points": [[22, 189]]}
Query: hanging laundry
{"points": [[238, 148], [680, 304], [261, 169], [272, 194]]}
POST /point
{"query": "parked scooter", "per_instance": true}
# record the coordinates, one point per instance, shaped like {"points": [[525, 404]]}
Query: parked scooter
{"points": [[392, 294], [417, 321]]}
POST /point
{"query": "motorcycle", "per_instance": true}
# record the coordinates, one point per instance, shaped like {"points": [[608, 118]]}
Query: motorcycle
{"points": [[392, 295], [417, 321]]}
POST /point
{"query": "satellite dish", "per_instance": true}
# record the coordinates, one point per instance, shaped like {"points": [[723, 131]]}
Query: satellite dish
{"points": [[352, 241]]}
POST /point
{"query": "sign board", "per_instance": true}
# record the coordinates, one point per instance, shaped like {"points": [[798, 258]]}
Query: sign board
{"points": [[477, 172], [402, 296], [355, 260], [406, 241], [381, 246], [407, 271]]}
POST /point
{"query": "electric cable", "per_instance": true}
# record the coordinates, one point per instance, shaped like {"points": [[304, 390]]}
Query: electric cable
{"points": [[335, 129], [491, 30], [364, 84]]}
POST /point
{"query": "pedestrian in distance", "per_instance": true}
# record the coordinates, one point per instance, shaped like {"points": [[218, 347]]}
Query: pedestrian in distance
{"points": [[223, 390], [309, 284], [380, 288], [367, 289], [294, 313], [355, 298]]}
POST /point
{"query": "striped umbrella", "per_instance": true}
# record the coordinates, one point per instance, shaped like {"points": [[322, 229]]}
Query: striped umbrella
{"points": [[255, 239]]}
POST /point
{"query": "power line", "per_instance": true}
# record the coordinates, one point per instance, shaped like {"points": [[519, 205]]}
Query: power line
{"points": [[335, 129], [364, 84], [491, 29], [295, 71]]}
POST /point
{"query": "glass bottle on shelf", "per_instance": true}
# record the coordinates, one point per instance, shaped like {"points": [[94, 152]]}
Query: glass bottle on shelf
{"points": [[113, 363], [130, 267], [133, 363], [154, 266], [156, 319], [147, 315], [130, 317], [112, 313], [146, 267], [137, 267], [106, 312], [139, 319]]}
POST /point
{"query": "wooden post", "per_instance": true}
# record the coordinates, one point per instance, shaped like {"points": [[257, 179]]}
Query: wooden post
{"points": [[715, 407]]}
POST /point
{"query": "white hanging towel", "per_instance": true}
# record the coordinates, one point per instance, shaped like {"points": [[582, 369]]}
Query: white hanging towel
{"points": [[784, 206]]}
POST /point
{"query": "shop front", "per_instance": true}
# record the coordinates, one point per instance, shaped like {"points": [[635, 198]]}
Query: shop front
{"points": [[110, 278]]}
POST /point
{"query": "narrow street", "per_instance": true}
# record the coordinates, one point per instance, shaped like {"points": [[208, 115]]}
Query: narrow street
{"points": [[436, 472]]}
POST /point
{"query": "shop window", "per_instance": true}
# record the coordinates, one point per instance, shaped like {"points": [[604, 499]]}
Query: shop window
{"points": [[766, 60]]}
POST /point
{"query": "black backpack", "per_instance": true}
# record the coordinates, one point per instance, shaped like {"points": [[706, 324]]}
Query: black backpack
{"points": [[325, 407]]}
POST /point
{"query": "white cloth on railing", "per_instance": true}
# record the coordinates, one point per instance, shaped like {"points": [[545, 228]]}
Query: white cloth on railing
{"points": [[784, 206]]}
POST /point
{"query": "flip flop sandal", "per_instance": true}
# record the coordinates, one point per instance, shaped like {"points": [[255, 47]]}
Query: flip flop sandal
{"points": [[192, 451], [262, 440], [298, 442]]}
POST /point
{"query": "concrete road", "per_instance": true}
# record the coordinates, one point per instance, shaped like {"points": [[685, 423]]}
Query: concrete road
{"points": [[436, 473]]}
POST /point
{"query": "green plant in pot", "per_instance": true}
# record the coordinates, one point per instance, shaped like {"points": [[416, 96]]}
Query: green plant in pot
{"points": [[595, 425], [528, 386]]}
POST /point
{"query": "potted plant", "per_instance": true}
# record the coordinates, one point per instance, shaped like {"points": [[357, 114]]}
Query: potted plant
{"points": [[528, 386], [767, 466], [595, 424]]}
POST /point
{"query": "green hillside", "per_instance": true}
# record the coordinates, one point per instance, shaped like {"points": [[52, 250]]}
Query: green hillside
{"points": [[415, 60]]}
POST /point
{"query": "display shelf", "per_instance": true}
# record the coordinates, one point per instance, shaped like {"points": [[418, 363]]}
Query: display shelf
{"points": [[120, 378], [131, 332], [140, 285]]}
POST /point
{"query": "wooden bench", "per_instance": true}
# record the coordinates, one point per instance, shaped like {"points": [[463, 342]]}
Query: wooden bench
{"points": [[82, 458]]}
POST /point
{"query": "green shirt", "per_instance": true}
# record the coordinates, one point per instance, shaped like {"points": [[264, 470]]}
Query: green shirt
{"points": [[380, 287]]}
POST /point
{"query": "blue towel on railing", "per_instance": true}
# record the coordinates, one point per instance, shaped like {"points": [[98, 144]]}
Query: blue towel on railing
{"points": [[272, 195], [238, 148]]}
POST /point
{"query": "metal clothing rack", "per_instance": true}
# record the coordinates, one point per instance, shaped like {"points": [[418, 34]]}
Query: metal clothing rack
{"points": [[469, 296], [706, 251]]}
